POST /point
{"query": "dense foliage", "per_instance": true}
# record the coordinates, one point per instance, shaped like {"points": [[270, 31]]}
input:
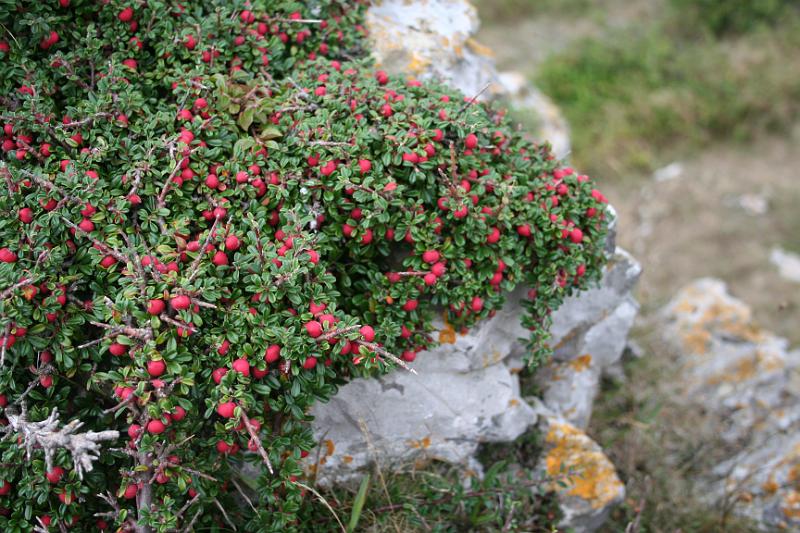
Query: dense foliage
{"points": [[214, 213]]}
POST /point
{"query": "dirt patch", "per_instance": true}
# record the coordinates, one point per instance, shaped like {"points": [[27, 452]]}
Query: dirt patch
{"points": [[694, 225]]}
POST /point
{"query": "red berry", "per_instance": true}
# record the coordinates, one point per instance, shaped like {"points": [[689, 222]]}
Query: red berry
{"points": [[156, 427], [225, 409], [55, 475], [130, 491], [410, 305], [118, 349], [310, 362], [431, 256], [314, 328], [494, 236], [218, 374], [232, 243], [220, 258], [241, 366], [180, 302], [126, 14], [524, 230], [156, 368], [471, 141], [155, 307], [5, 488], [134, 430], [272, 354], [477, 304], [365, 165], [26, 215], [576, 235], [368, 333], [7, 256], [178, 414]]}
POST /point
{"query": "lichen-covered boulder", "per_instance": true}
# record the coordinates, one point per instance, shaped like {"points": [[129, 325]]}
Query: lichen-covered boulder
{"points": [[749, 380], [580, 473]]}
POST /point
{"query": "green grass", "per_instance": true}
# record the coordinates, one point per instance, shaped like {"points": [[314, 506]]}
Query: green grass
{"points": [[438, 498], [500, 11], [641, 96]]}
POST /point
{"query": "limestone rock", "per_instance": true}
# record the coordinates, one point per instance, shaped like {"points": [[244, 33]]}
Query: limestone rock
{"points": [[589, 334], [404, 418], [435, 39], [466, 390], [583, 477], [746, 377]]}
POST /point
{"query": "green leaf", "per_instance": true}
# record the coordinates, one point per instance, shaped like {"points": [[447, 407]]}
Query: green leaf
{"points": [[358, 504]]}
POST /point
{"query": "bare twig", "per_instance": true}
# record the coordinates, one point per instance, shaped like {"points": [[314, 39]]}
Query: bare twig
{"points": [[255, 438], [46, 434], [324, 502], [380, 351], [336, 332], [225, 514], [195, 268]]}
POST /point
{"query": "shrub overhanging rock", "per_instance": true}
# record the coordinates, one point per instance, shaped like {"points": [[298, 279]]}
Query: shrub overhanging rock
{"points": [[213, 215]]}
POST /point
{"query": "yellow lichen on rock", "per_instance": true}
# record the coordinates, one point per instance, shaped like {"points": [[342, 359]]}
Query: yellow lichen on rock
{"points": [[447, 335], [578, 461], [581, 363]]}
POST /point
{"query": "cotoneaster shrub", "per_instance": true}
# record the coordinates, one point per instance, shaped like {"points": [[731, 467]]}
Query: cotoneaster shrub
{"points": [[212, 215]]}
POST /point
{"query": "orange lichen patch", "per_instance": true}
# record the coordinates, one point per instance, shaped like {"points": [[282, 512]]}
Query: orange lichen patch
{"points": [[794, 475], [696, 340], [312, 469], [447, 335], [329, 447], [513, 402], [420, 463], [417, 63], [581, 363], [770, 486], [347, 459], [579, 462], [458, 50], [515, 370], [479, 48], [791, 505], [748, 367], [685, 307], [422, 444], [323, 460], [744, 497], [744, 369]]}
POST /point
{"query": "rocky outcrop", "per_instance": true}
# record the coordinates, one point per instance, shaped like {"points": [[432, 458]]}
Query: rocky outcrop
{"points": [[436, 39], [580, 473], [466, 392], [749, 379]]}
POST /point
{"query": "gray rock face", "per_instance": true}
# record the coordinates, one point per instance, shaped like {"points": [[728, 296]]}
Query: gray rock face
{"points": [[435, 39], [750, 380]]}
